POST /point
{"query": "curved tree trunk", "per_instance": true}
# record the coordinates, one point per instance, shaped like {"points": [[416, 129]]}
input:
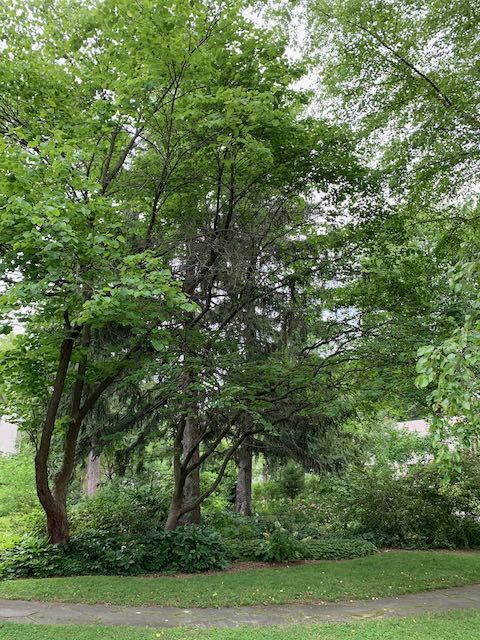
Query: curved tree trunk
{"points": [[54, 499], [191, 488], [186, 487], [243, 497], [54, 506], [174, 513], [58, 530]]}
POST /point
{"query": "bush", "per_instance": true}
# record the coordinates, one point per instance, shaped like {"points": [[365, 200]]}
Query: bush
{"points": [[266, 492], [291, 479], [317, 512], [17, 483], [20, 512], [390, 505], [30, 557], [279, 545], [188, 549], [414, 511], [95, 552], [102, 552], [243, 549], [233, 526], [301, 519], [13, 527], [121, 508], [308, 549], [336, 549]]}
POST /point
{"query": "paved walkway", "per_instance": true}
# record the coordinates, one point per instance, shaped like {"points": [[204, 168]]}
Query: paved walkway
{"points": [[407, 605]]}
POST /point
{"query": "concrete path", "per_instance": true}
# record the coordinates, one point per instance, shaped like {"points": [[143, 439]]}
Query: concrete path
{"points": [[407, 605]]}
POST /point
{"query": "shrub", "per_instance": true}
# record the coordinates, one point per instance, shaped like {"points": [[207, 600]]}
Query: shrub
{"points": [[279, 545], [121, 507], [31, 556], [413, 510], [313, 514], [301, 520], [243, 549], [102, 552], [308, 549], [94, 552], [20, 512], [392, 506], [233, 526], [8, 536], [13, 527], [336, 549], [188, 549], [266, 494], [17, 483], [291, 479]]}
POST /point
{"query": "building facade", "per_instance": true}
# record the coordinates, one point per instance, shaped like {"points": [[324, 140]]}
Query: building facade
{"points": [[9, 437]]}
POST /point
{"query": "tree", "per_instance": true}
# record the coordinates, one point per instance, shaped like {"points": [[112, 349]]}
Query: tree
{"points": [[243, 488], [75, 116], [244, 256], [292, 480], [163, 192], [449, 369], [412, 68]]}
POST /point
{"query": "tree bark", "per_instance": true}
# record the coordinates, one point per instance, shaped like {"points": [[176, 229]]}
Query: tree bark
{"points": [[92, 480], [57, 523], [243, 497], [186, 453], [176, 503], [55, 509], [54, 500], [174, 513], [191, 488]]}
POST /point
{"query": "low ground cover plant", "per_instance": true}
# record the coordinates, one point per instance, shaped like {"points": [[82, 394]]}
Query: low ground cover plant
{"points": [[188, 549], [334, 517], [406, 506], [381, 574]]}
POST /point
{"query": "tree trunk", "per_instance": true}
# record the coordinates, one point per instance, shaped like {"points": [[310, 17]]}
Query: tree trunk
{"points": [[243, 498], [174, 513], [191, 430], [265, 472], [55, 510], [54, 503], [58, 530], [92, 480], [191, 488]]}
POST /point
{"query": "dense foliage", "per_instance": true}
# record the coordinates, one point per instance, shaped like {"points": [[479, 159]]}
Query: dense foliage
{"points": [[188, 549], [220, 291]]}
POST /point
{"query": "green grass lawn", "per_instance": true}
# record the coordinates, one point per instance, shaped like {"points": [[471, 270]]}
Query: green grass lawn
{"points": [[454, 626], [382, 574]]}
